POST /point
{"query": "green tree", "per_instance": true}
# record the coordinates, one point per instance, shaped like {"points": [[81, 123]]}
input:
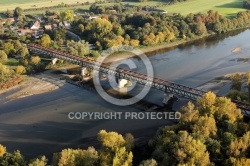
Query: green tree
{"points": [[248, 84], [14, 158], [18, 12], [3, 56], [236, 81]]}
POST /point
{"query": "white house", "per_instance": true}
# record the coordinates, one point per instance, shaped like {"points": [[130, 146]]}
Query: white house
{"points": [[36, 25]]}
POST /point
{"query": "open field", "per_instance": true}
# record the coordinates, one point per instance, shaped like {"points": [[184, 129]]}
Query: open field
{"points": [[228, 8], [25, 4]]}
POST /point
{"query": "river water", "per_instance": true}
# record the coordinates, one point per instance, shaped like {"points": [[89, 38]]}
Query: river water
{"points": [[195, 63], [41, 121]]}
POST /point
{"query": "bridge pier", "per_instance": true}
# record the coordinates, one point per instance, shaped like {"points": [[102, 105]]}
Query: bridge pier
{"points": [[122, 83], [84, 71], [167, 97], [54, 60]]}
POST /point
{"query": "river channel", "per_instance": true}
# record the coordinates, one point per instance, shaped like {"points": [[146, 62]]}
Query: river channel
{"points": [[39, 124]]}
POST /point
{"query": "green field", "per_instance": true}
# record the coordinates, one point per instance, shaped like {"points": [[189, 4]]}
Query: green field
{"points": [[25, 4], [226, 8]]}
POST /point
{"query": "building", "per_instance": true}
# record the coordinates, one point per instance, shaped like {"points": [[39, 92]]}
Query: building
{"points": [[36, 25], [47, 27]]}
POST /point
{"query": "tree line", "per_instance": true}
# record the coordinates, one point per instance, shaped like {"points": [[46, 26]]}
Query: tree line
{"points": [[154, 28]]}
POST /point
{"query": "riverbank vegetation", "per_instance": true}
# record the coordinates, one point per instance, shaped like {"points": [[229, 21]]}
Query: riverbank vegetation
{"points": [[211, 132], [240, 88]]}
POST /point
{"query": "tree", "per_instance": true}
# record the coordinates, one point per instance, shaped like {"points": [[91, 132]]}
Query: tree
{"points": [[149, 162], [205, 127], [45, 40], [200, 28], [236, 81], [114, 150], [180, 149], [67, 15], [237, 95], [226, 110], [3, 56], [101, 27], [17, 44], [8, 48], [238, 161], [240, 146], [205, 104], [9, 13], [18, 12], [35, 60], [20, 70], [248, 84], [42, 161], [76, 157], [2, 150], [23, 51], [14, 158]]}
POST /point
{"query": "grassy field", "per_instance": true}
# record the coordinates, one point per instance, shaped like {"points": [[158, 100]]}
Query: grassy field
{"points": [[228, 8], [25, 4]]}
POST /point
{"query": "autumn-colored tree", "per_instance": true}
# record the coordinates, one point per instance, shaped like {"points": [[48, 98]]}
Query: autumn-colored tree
{"points": [[2, 150], [134, 42], [114, 150], [8, 48], [149, 162], [76, 157], [181, 149], [20, 70], [45, 40], [35, 60], [42, 161], [205, 104], [23, 51], [3, 56], [240, 147], [101, 27], [67, 15]]}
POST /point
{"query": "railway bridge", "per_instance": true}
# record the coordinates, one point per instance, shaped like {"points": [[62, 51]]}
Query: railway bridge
{"points": [[157, 83]]}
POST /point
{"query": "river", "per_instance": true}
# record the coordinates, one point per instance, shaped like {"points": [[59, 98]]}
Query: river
{"points": [[39, 124], [195, 63]]}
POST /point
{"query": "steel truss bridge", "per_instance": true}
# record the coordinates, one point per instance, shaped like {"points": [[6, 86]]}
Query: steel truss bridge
{"points": [[157, 83]]}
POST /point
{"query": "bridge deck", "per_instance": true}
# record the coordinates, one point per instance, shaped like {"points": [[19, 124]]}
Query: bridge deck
{"points": [[157, 83]]}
